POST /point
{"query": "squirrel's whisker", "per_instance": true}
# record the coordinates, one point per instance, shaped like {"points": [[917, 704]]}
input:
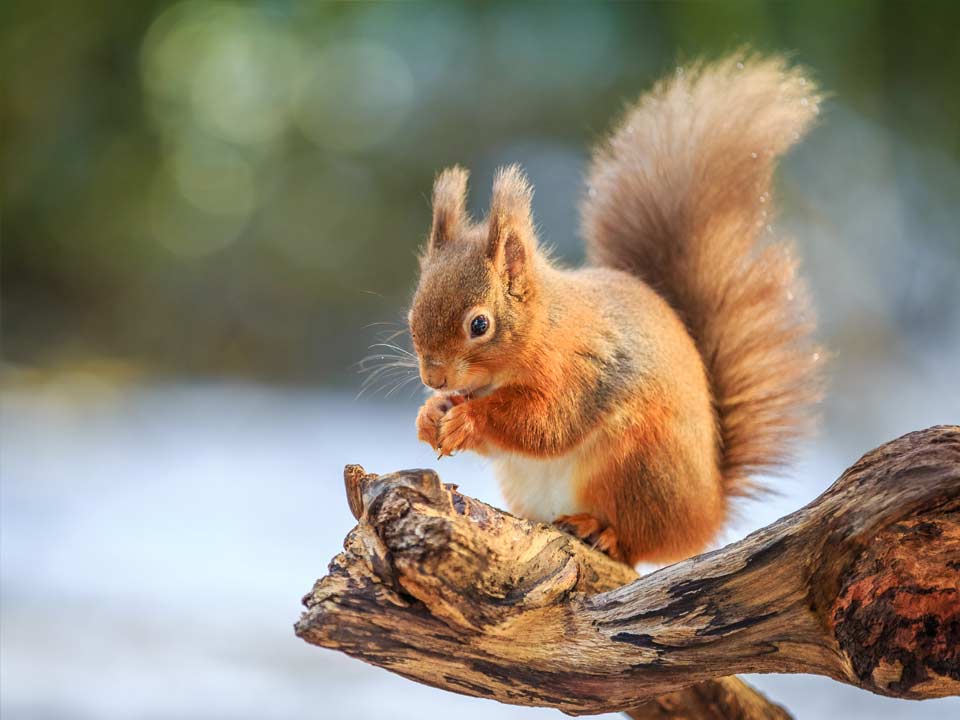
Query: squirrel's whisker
{"points": [[390, 346]]}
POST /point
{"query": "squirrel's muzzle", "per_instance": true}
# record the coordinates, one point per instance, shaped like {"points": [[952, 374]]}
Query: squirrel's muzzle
{"points": [[433, 374]]}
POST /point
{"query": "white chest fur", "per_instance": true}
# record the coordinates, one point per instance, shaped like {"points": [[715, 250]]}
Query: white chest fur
{"points": [[538, 489]]}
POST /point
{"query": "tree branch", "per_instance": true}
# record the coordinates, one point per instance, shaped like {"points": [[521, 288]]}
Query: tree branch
{"points": [[860, 586]]}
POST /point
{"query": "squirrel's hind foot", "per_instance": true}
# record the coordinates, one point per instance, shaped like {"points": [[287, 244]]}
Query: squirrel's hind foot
{"points": [[591, 531]]}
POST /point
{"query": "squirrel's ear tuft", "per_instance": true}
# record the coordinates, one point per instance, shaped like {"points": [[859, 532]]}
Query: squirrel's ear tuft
{"points": [[511, 241], [449, 206]]}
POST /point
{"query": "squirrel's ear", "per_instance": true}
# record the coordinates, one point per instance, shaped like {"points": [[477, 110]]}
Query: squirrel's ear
{"points": [[511, 240], [449, 206]]}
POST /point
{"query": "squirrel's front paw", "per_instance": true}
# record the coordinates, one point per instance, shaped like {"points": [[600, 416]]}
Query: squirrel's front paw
{"points": [[459, 430], [428, 419]]}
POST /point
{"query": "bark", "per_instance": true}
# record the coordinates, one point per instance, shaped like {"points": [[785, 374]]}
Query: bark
{"points": [[861, 586]]}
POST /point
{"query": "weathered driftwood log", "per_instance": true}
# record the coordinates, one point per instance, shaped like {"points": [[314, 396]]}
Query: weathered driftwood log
{"points": [[718, 699], [862, 585]]}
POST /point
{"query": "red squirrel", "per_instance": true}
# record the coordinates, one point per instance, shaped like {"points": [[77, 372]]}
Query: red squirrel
{"points": [[629, 400]]}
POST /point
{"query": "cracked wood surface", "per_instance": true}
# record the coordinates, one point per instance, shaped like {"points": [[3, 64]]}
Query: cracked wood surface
{"points": [[862, 585]]}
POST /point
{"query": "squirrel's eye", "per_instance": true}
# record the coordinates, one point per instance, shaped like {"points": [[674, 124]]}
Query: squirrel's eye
{"points": [[479, 325]]}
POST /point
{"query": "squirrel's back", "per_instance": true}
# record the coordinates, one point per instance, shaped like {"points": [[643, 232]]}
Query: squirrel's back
{"points": [[680, 196]]}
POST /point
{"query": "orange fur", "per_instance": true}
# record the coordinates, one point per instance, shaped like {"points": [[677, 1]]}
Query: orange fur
{"points": [[681, 198], [632, 398]]}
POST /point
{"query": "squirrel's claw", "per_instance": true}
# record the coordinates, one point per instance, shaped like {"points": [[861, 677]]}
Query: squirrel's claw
{"points": [[428, 421]]}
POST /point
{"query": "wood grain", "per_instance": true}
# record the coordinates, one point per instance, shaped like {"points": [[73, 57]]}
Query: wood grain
{"points": [[861, 586]]}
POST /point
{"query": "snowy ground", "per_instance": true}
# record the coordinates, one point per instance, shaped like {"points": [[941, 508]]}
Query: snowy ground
{"points": [[156, 542]]}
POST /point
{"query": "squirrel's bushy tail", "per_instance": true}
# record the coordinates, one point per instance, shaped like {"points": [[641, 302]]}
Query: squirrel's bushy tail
{"points": [[680, 195]]}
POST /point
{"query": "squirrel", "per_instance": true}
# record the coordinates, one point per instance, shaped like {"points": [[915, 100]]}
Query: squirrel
{"points": [[629, 401]]}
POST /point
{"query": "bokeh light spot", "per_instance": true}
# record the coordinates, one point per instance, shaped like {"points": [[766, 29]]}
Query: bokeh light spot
{"points": [[215, 178], [184, 229], [354, 96], [222, 67]]}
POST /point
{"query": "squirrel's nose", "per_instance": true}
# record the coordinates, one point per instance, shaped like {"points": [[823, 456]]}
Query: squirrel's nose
{"points": [[435, 377], [435, 383]]}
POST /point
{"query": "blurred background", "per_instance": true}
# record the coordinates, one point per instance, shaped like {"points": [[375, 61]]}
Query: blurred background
{"points": [[211, 211]]}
